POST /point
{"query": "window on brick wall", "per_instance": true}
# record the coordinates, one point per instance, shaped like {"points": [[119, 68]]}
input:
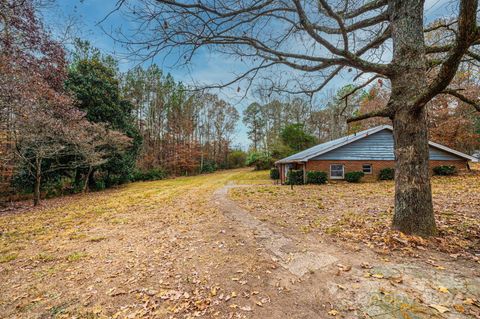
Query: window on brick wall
{"points": [[336, 171], [367, 168]]}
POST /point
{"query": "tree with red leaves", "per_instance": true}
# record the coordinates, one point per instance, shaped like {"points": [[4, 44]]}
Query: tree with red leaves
{"points": [[37, 115]]}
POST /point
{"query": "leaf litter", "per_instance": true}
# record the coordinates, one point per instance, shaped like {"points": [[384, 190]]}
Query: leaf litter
{"points": [[163, 250]]}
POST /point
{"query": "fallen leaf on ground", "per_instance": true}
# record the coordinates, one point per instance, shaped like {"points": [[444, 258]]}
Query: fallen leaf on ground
{"points": [[333, 312], [246, 308], [366, 265], [213, 292], [443, 289], [344, 268], [459, 308], [469, 301], [439, 308]]}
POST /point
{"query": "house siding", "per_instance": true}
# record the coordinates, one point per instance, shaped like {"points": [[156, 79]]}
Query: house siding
{"points": [[377, 147], [356, 165]]}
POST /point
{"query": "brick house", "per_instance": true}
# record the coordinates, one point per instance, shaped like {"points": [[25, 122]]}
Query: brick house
{"points": [[368, 151]]}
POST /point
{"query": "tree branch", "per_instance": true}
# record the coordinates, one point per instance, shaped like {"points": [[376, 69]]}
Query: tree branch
{"points": [[353, 59], [474, 55], [384, 112], [467, 35], [361, 86], [373, 5], [462, 98], [355, 26]]}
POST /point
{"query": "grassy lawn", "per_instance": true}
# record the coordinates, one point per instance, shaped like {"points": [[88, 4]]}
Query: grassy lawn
{"points": [[145, 248], [164, 249]]}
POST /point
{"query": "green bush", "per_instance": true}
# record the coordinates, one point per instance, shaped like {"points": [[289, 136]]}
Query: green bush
{"points": [[99, 185], [150, 175], [57, 187], [274, 173], [386, 174], [445, 170], [295, 177], [354, 177], [208, 167], [316, 177], [52, 184], [236, 159], [259, 160]]}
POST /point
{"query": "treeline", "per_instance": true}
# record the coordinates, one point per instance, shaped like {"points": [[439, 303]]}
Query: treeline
{"points": [[183, 133], [283, 127], [71, 121]]}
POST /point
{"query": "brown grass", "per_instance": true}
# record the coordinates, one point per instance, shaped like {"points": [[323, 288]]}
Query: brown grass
{"points": [[362, 213]]}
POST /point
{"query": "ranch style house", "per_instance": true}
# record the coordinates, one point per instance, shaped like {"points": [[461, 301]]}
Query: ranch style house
{"points": [[367, 151]]}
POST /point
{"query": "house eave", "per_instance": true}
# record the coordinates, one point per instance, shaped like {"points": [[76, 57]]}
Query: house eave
{"points": [[449, 150], [289, 162]]}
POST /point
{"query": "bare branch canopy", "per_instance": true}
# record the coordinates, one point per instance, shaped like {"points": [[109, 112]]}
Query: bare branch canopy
{"points": [[311, 37]]}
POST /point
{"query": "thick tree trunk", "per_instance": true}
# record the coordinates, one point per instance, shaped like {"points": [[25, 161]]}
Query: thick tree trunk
{"points": [[413, 195]]}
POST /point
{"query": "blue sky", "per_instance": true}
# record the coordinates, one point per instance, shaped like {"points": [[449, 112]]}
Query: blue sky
{"points": [[206, 68]]}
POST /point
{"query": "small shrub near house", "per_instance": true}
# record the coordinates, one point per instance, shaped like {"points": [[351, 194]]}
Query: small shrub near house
{"points": [[386, 174], [316, 177], [354, 177], [274, 173], [445, 170], [295, 177]]}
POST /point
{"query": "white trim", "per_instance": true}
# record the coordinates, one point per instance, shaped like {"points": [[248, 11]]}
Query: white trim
{"points": [[449, 150], [337, 177], [371, 168]]}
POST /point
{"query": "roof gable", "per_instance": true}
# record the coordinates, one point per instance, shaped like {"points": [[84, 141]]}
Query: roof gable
{"points": [[379, 150]]}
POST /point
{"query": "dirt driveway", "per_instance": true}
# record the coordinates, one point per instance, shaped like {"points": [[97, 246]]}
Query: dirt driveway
{"points": [[183, 248]]}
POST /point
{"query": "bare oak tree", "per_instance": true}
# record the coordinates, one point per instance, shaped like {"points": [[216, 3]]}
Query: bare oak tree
{"points": [[322, 38]]}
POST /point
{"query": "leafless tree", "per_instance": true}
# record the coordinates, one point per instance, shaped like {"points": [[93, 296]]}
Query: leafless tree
{"points": [[320, 39]]}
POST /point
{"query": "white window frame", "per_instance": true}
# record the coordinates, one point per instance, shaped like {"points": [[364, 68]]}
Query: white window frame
{"points": [[337, 177], [371, 168]]}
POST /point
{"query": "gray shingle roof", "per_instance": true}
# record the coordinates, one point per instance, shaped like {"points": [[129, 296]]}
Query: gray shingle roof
{"points": [[305, 155]]}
